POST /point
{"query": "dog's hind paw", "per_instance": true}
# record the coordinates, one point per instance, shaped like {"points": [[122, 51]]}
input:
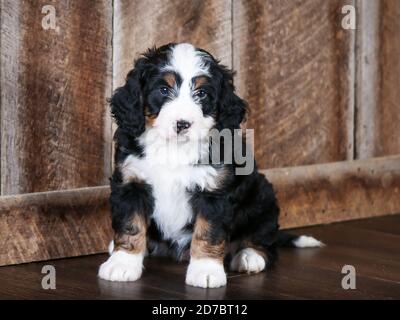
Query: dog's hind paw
{"points": [[248, 260]]}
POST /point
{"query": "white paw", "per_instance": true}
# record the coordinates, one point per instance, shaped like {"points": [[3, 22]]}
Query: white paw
{"points": [[205, 273], [248, 260], [122, 266]]}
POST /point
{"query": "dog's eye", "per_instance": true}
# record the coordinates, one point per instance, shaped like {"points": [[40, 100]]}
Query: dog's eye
{"points": [[201, 94], [164, 91]]}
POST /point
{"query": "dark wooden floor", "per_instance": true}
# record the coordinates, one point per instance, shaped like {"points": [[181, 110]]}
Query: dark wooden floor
{"points": [[372, 246]]}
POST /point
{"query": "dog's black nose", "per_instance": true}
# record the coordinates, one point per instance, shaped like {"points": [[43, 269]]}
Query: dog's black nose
{"points": [[182, 125]]}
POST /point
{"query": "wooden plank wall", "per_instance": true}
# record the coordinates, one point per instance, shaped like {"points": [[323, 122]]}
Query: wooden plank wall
{"points": [[139, 26], [378, 79], [388, 134], [294, 64], [55, 127], [367, 78]]}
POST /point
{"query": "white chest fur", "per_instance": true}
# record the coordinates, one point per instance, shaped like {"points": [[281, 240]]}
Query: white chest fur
{"points": [[171, 182]]}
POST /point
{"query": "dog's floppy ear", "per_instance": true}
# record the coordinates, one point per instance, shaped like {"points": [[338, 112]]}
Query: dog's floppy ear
{"points": [[232, 109], [127, 102]]}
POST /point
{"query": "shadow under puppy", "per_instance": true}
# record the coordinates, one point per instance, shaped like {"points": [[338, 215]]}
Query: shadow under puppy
{"points": [[167, 195]]}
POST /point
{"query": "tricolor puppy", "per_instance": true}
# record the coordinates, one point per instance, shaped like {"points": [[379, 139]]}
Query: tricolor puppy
{"points": [[167, 196]]}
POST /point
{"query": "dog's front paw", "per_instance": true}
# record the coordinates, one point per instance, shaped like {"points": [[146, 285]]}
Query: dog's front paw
{"points": [[248, 260], [205, 273], [122, 266]]}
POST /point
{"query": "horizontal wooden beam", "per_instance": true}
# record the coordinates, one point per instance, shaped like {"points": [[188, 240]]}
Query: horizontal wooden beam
{"points": [[48, 225], [57, 224], [340, 191], [64, 198]]}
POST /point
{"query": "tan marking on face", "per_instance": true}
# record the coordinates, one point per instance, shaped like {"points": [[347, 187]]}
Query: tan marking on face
{"points": [[150, 119], [201, 246], [135, 241], [199, 81], [170, 79]]}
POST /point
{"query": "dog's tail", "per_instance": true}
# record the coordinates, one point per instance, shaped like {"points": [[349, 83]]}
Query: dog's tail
{"points": [[286, 239]]}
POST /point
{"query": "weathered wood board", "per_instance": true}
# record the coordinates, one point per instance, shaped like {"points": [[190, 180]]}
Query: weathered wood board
{"points": [[294, 66], [367, 78], [388, 135], [42, 226], [76, 222], [378, 79], [139, 25], [340, 191], [55, 124]]}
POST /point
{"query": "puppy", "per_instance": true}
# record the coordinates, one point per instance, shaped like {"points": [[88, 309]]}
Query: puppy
{"points": [[168, 194]]}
